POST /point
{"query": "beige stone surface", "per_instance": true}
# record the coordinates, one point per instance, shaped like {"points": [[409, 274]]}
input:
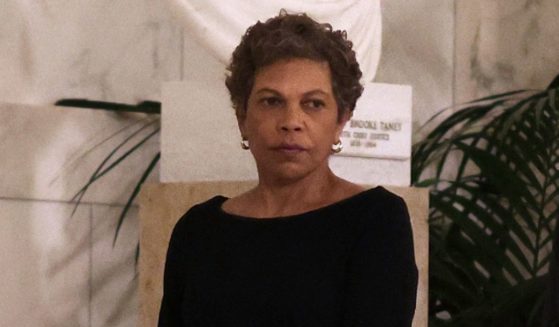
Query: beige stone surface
{"points": [[162, 204]]}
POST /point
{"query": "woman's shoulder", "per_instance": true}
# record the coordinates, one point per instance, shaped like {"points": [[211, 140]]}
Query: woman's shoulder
{"points": [[197, 213], [376, 197], [202, 208], [238, 205], [386, 199], [386, 212], [374, 210], [374, 194]]}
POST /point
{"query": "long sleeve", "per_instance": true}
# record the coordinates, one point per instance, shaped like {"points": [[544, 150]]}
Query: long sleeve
{"points": [[170, 314], [382, 275]]}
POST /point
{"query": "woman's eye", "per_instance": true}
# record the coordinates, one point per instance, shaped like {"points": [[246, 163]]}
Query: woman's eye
{"points": [[315, 104], [271, 101]]}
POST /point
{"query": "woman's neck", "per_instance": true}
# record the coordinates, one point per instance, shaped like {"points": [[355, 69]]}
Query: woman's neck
{"points": [[283, 198]]}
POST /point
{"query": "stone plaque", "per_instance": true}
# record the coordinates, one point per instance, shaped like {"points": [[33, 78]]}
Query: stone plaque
{"points": [[381, 124]]}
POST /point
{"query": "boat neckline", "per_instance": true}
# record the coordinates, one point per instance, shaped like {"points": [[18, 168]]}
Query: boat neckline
{"points": [[221, 199]]}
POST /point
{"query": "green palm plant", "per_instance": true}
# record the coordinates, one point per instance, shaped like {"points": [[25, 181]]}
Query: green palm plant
{"points": [[493, 170], [111, 160]]}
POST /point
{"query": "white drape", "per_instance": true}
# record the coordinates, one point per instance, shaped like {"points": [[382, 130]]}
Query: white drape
{"points": [[219, 24]]}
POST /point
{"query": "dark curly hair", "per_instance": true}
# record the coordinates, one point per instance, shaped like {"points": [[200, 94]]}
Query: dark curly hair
{"points": [[289, 36]]}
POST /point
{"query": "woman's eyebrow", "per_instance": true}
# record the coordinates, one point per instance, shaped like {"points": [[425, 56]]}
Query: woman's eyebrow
{"points": [[306, 94], [267, 90], [314, 92]]}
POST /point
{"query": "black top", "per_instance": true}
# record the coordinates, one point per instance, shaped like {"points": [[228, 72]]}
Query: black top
{"points": [[350, 263]]}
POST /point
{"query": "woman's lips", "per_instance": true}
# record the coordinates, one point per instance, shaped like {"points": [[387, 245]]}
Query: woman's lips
{"points": [[290, 148]]}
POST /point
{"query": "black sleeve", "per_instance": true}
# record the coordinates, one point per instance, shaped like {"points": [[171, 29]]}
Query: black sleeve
{"points": [[382, 274], [173, 281]]}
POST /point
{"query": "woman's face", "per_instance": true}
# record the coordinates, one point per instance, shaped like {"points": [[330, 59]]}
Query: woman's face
{"points": [[291, 119]]}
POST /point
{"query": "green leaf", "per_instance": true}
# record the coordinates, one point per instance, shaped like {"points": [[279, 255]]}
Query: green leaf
{"points": [[148, 107], [100, 173], [136, 191], [492, 216]]}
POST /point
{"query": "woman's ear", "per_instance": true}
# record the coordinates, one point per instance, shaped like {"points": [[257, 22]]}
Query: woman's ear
{"points": [[343, 119], [241, 118]]}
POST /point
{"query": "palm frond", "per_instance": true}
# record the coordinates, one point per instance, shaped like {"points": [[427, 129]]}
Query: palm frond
{"points": [[147, 107], [493, 208], [135, 192]]}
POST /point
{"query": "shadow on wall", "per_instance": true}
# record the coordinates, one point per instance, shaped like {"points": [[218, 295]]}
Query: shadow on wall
{"points": [[64, 270]]}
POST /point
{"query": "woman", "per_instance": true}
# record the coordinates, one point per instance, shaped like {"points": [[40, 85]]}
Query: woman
{"points": [[304, 247]]}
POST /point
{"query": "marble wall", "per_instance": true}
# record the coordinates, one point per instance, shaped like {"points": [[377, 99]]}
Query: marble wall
{"points": [[102, 50], [504, 45], [61, 269], [66, 269], [418, 50]]}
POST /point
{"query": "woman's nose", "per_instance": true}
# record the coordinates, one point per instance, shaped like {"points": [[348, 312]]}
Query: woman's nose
{"points": [[292, 119]]}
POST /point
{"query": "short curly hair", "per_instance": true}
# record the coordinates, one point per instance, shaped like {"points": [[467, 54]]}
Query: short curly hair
{"points": [[288, 36]]}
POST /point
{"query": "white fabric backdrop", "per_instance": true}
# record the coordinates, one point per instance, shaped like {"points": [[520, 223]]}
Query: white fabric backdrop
{"points": [[218, 25]]}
